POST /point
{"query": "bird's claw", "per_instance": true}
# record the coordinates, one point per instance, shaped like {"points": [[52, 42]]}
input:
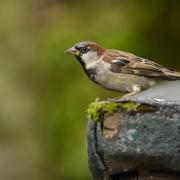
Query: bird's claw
{"points": [[120, 99]]}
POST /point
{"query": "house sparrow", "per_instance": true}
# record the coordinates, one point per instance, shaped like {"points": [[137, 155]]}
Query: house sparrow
{"points": [[119, 71]]}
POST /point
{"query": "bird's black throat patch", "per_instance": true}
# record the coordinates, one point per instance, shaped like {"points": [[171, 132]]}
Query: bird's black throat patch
{"points": [[91, 73]]}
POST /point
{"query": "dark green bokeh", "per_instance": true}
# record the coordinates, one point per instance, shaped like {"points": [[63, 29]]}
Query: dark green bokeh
{"points": [[44, 92]]}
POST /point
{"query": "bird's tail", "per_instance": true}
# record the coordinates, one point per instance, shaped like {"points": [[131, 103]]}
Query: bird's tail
{"points": [[171, 75]]}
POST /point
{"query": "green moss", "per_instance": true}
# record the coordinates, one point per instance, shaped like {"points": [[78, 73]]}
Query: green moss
{"points": [[137, 107], [130, 106], [98, 108]]}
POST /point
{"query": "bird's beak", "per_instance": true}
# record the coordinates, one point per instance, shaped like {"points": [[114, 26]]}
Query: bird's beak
{"points": [[72, 51]]}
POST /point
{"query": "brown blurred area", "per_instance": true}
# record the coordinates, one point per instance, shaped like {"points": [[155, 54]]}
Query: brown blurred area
{"points": [[44, 93]]}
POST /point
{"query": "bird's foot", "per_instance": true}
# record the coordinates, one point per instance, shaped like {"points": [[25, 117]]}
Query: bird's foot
{"points": [[120, 99]]}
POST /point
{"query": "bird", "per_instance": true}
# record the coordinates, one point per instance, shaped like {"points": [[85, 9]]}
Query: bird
{"points": [[118, 70]]}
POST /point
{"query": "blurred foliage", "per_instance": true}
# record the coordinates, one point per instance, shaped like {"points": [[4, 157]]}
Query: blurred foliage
{"points": [[44, 93]]}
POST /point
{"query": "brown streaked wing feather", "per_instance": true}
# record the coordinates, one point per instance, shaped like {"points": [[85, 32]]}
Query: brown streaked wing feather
{"points": [[122, 62]]}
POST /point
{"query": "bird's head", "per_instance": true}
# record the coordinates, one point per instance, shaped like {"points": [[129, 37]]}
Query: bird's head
{"points": [[86, 52]]}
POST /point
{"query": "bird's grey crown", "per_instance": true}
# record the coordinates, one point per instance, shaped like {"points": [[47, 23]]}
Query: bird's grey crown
{"points": [[84, 43]]}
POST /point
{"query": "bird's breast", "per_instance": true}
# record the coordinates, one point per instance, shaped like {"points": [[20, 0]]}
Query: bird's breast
{"points": [[103, 76]]}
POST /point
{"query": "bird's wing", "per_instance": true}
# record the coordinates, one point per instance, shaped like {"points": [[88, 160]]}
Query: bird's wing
{"points": [[122, 62]]}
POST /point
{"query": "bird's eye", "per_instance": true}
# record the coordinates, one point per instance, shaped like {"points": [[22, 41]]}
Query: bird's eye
{"points": [[84, 49]]}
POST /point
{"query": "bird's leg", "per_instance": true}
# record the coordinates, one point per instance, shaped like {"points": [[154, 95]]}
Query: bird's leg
{"points": [[135, 88]]}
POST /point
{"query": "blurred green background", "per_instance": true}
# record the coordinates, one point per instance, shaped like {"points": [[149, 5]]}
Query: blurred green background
{"points": [[44, 92]]}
